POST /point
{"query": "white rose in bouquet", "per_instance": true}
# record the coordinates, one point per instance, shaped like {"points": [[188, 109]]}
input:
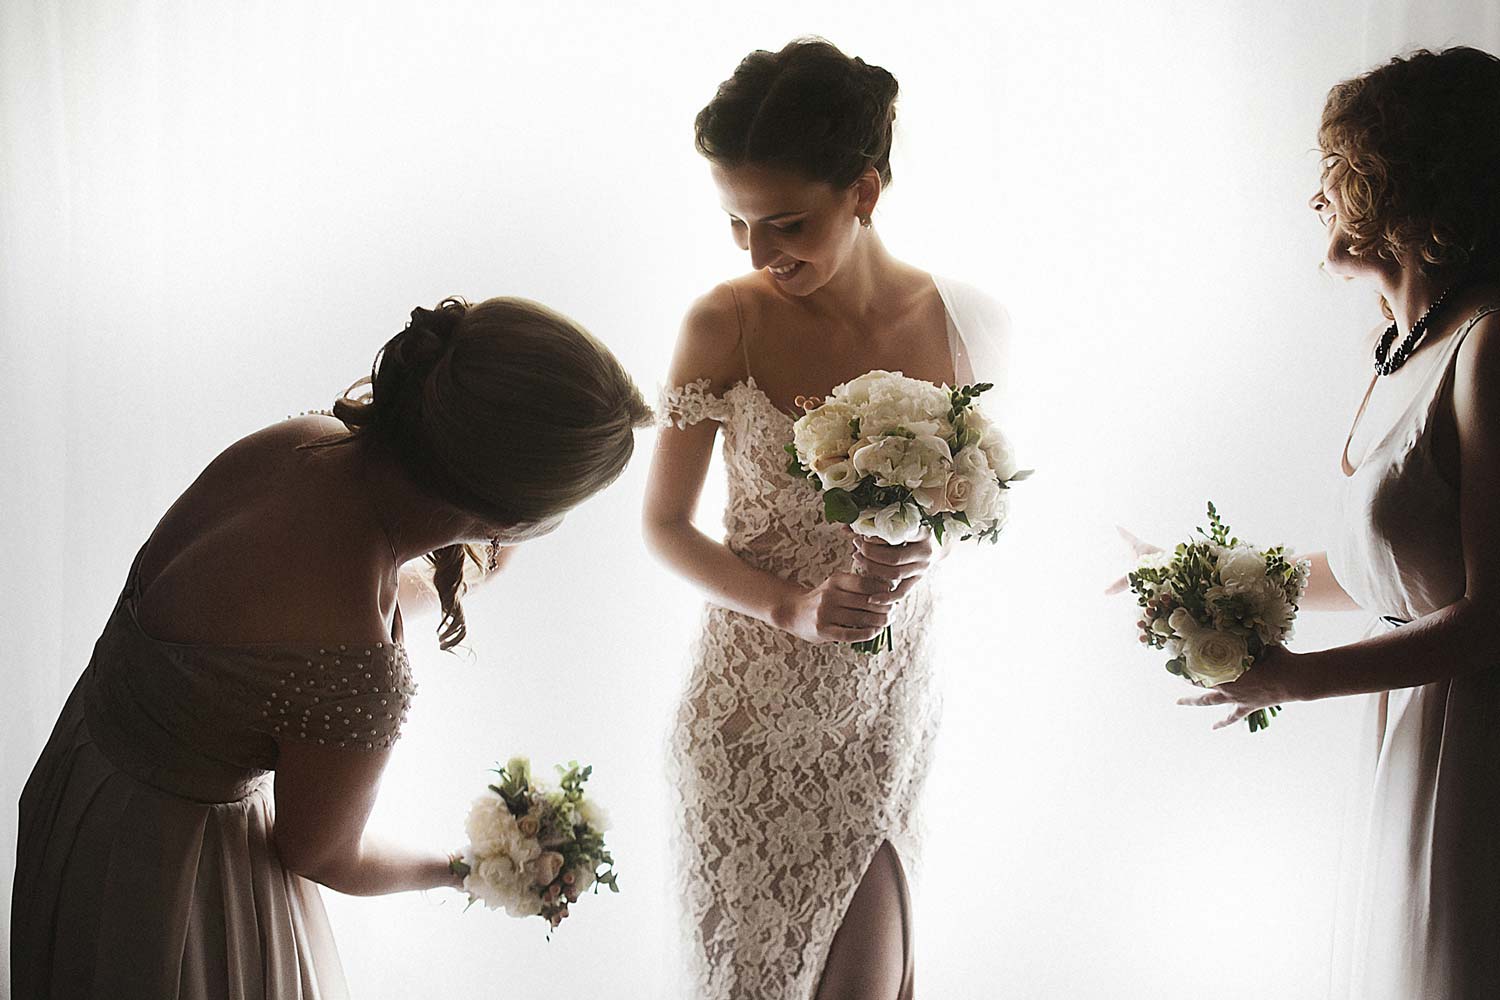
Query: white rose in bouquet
{"points": [[839, 475], [993, 444], [1214, 658], [895, 525]]}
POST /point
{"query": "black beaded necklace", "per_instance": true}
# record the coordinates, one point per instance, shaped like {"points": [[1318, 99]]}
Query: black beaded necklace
{"points": [[1385, 361]]}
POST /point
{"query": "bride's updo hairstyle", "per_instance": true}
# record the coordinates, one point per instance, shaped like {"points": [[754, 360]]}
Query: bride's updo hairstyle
{"points": [[808, 108], [1420, 140], [506, 410]]}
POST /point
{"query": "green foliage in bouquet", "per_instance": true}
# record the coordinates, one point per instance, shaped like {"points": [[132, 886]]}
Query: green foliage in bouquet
{"points": [[1191, 580]]}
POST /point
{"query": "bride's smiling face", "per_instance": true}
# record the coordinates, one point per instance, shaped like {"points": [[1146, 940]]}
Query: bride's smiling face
{"points": [[799, 231]]}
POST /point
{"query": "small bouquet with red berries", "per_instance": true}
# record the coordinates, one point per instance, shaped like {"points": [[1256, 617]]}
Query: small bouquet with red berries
{"points": [[533, 849]]}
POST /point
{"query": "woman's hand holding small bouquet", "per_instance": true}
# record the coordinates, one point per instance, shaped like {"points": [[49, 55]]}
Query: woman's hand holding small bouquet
{"points": [[1217, 605], [534, 849]]}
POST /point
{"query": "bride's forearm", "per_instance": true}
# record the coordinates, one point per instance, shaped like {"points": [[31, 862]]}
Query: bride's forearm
{"points": [[1324, 593], [724, 577], [1459, 639]]}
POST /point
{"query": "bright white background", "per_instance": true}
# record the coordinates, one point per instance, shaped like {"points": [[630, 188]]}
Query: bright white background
{"points": [[211, 214]]}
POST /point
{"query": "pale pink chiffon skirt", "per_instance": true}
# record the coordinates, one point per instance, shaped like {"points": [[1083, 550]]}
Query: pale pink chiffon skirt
{"points": [[126, 891]]}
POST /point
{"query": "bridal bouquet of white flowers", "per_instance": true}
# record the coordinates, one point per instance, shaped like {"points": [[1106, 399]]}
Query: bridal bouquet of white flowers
{"points": [[894, 457], [1215, 603], [534, 849]]}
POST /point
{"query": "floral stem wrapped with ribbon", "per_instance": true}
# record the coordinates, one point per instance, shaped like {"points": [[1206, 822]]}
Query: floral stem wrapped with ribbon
{"points": [[895, 457], [1215, 603], [533, 849]]}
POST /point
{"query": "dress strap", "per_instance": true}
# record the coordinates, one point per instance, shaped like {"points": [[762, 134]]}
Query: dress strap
{"points": [[739, 319]]}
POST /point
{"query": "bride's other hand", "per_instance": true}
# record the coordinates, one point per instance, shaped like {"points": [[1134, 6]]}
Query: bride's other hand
{"points": [[1272, 681], [1139, 549], [900, 566], [846, 607]]}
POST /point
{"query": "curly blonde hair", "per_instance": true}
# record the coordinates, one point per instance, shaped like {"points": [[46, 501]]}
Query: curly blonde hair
{"points": [[1413, 150]]}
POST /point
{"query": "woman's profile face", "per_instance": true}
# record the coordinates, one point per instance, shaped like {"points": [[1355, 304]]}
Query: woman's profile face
{"points": [[799, 231], [1337, 259]]}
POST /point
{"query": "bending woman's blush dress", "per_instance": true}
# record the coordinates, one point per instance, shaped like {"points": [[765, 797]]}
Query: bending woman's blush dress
{"points": [[145, 868]]}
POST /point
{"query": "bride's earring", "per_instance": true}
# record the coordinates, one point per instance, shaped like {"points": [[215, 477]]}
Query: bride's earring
{"points": [[866, 221], [492, 557]]}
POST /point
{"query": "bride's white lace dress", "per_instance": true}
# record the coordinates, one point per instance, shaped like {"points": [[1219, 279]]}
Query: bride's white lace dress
{"points": [[791, 762]]}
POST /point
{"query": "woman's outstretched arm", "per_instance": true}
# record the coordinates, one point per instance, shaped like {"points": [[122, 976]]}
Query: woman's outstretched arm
{"points": [[323, 800], [1455, 640]]}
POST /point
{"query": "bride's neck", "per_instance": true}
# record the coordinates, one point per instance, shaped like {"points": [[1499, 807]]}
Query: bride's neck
{"points": [[859, 286]]}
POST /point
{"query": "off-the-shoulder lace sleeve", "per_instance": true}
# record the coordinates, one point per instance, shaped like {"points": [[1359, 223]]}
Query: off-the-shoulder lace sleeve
{"points": [[353, 697], [686, 405]]}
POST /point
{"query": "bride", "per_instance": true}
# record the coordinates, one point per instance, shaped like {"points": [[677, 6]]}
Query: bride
{"points": [[798, 760]]}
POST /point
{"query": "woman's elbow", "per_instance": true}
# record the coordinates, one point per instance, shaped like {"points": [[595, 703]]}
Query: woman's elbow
{"points": [[310, 860], [662, 532]]}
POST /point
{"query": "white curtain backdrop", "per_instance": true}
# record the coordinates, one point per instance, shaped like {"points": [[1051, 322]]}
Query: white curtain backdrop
{"points": [[212, 213]]}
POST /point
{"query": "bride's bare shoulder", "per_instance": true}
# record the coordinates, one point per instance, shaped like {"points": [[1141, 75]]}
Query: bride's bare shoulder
{"points": [[710, 342]]}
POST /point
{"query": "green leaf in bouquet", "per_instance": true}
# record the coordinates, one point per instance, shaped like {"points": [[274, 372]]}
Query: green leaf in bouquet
{"points": [[839, 507], [1177, 666], [1021, 475]]}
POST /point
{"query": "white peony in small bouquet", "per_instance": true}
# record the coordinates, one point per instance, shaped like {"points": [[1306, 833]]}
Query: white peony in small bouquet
{"points": [[1214, 604], [533, 849], [895, 457]]}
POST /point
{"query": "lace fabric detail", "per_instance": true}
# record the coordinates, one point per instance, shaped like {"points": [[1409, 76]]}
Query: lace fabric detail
{"points": [[689, 404], [792, 762], [342, 697]]}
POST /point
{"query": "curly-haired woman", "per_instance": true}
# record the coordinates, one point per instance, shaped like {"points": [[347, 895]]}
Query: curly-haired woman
{"points": [[1410, 196]]}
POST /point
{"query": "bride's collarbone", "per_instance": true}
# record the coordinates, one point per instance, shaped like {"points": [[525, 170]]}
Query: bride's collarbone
{"points": [[803, 360]]}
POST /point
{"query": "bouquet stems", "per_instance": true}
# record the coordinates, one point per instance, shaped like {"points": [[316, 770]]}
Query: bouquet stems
{"points": [[1261, 718], [883, 641]]}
